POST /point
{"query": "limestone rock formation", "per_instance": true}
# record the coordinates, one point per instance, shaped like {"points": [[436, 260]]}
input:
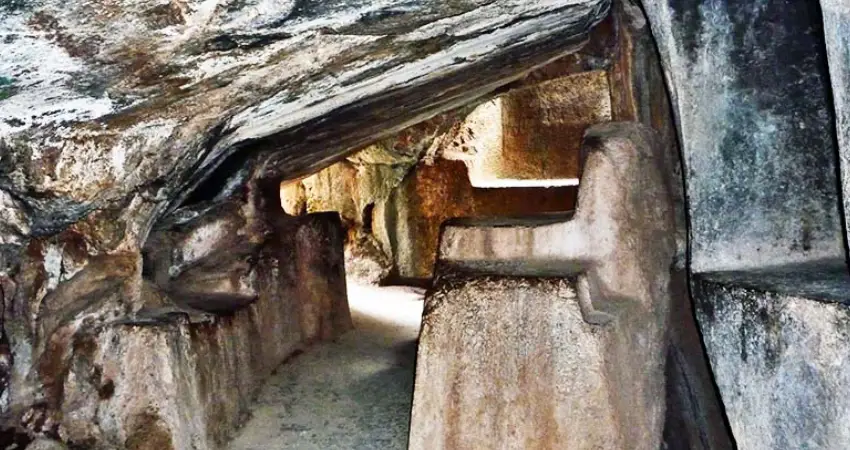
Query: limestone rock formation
{"points": [[162, 163], [131, 110], [749, 86], [508, 363], [179, 370]]}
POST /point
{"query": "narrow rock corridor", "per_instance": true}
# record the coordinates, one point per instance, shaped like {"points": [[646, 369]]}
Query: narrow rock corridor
{"points": [[354, 393]]}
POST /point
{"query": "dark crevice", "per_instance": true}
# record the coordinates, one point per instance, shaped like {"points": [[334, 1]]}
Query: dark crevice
{"points": [[688, 273]]}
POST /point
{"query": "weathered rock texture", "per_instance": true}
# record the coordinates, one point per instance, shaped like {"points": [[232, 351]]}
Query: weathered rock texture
{"points": [[694, 412], [122, 117], [166, 373], [836, 30], [620, 244], [508, 363], [750, 91], [142, 102], [749, 85], [541, 127], [780, 360], [359, 187], [409, 223], [394, 195]]}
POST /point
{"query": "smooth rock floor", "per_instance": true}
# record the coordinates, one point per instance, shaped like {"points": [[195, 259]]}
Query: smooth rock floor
{"points": [[354, 393]]}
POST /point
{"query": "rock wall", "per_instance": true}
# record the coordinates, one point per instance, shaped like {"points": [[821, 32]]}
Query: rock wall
{"points": [[394, 195], [750, 91], [409, 223], [779, 359], [836, 29], [541, 129], [509, 363], [169, 355], [695, 416]]}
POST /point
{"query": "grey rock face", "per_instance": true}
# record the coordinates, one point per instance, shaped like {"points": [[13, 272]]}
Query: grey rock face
{"points": [[781, 362], [46, 444], [749, 85], [148, 99], [836, 29]]}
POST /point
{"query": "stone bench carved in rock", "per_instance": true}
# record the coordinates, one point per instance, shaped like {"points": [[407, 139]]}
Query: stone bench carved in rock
{"points": [[550, 332]]}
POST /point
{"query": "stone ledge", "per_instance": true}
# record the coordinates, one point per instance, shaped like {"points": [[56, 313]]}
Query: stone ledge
{"points": [[822, 280]]}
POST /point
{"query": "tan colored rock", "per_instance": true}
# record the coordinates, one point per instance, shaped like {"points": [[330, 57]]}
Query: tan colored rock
{"points": [[509, 363], [432, 194], [541, 130], [616, 253], [293, 198], [124, 363]]}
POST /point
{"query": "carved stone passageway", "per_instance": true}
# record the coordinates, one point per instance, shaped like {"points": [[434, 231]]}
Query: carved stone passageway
{"points": [[354, 393], [630, 219]]}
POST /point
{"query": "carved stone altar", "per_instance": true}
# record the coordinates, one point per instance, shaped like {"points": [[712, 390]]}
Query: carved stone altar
{"points": [[573, 361]]}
